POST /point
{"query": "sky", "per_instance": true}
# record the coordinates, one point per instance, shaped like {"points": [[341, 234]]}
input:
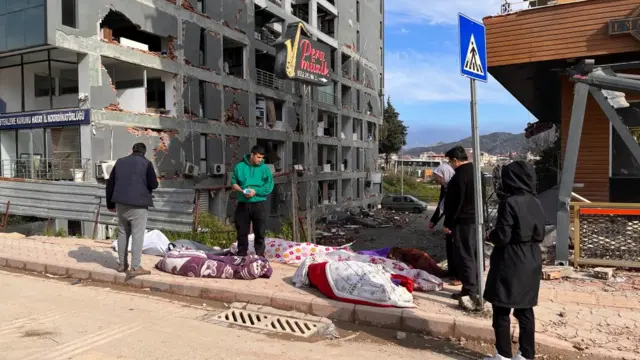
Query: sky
{"points": [[422, 74]]}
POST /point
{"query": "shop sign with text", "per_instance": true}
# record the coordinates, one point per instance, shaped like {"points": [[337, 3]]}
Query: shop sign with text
{"points": [[40, 119], [626, 25], [302, 58]]}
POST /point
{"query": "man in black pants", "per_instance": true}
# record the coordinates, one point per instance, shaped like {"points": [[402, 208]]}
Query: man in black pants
{"points": [[459, 221], [253, 182]]}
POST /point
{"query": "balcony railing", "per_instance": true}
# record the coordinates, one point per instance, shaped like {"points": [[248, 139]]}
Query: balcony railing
{"points": [[267, 79], [35, 168], [510, 6], [265, 36], [327, 98]]}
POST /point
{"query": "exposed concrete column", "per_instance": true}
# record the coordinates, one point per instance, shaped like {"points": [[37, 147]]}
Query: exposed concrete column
{"points": [[89, 77], [313, 13]]}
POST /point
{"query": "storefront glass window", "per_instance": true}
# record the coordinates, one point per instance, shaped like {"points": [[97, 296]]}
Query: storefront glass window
{"points": [[8, 152], [24, 24]]}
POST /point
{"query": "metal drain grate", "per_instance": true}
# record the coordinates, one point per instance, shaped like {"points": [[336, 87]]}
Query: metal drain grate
{"points": [[281, 324]]}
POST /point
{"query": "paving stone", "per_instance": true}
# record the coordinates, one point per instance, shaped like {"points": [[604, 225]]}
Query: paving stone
{"points": [[35, 266], [254, 296], [472, 329], [333, 309], [292, 302], [220, 293], [186, 290], [106, 276], [15, 264], [431, 324], [80, 274], [388, 318]]}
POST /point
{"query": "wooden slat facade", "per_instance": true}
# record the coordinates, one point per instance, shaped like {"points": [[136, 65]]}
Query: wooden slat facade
{"points": [[563, 31], [593, 158]]}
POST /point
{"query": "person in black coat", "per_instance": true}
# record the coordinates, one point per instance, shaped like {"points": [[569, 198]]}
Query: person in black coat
{"points": [[513, 281], [460, 222]]}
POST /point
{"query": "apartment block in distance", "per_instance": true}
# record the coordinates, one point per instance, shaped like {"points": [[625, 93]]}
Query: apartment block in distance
{"points": [[82, 81]]}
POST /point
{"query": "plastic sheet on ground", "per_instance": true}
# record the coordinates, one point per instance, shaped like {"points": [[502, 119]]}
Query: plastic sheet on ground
{"points": [[422, 279], [289, 252], [155, 243]]}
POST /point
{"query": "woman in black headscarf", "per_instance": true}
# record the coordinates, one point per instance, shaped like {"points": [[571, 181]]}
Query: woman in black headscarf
{"points": [[513, 281]]}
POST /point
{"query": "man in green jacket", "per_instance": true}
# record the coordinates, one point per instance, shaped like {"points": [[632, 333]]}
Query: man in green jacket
{"points": [[253, 182]]}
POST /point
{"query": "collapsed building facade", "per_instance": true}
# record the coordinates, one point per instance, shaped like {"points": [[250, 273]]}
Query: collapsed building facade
{"points": [[82, 81]]}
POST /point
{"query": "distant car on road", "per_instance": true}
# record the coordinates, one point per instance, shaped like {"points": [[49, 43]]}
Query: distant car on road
{"points": [[405, 203]]}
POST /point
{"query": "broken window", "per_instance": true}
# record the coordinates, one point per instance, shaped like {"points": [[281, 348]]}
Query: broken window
{"points": [[69, 9], [274, 153], [201, 98], [326, 21], [233, 57], [268, 27], [140, 89], [116, 27], [265, 64], [346, 65]]}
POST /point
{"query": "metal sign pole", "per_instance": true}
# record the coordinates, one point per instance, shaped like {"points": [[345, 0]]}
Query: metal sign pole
{"points": [[477, 178]]}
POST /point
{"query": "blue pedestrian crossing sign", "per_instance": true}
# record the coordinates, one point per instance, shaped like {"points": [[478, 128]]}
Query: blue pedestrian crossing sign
{"points": [[473, 48]]}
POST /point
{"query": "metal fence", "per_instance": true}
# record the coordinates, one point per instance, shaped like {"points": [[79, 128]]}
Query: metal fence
{"points": [[37, 168], [267, 79], [606, 234], [173, 210]]}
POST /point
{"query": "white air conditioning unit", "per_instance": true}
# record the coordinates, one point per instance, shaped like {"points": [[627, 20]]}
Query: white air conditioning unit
{"points": [[190, 169], [103, 169], [217, 170]]}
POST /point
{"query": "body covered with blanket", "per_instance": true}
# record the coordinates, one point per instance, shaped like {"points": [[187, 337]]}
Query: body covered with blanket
{"points": [[193, 263]]}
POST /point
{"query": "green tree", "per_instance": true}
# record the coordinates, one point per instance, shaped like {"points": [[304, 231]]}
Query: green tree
{"points": [[393, 132]]}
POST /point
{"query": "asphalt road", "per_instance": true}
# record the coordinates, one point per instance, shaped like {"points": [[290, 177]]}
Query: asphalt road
{"points": [[47, 319]]}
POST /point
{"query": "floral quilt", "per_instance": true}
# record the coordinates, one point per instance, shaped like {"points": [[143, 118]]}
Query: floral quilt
{"points": [[289, 252], [194, 263]]}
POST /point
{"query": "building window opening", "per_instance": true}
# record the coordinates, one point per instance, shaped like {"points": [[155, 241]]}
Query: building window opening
{"points": [[297, 153], [301, 11], [203, 46], [203, 153], [274, 154], [233, 57], [268, 27], [200, 7], [327, 22], [116, 27], [69, 13], [346, 65], [269, 113], [139, 89], [357, 10], [265, 65]]}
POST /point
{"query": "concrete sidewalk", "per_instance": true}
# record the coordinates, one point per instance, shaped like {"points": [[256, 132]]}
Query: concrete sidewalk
{"points": [[586, 314]]}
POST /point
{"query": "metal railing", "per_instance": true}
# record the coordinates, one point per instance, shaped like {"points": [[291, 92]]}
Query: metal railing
{"points": [[35, 168], [606, 234], [267, 79], [511, 6], [265, 36], [327, 98]]}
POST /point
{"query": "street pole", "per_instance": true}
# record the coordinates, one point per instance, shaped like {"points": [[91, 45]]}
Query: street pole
{"points": [[402, 179], [477, 178], [311, 195]]}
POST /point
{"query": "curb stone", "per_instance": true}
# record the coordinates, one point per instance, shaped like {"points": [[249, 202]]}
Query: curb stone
{"points": [[410, 320]]}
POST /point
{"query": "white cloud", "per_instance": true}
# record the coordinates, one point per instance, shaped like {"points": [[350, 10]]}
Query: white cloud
{"points": [[412, 77], [404, 31], [437, 12]]}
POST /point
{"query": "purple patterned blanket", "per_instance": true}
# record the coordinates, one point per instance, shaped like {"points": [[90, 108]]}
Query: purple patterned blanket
{"points": [[193, 263]]}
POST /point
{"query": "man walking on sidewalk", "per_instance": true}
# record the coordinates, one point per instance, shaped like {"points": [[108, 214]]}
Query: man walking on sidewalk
{"points": [[459, 221], [129, 188], [253, 182]]}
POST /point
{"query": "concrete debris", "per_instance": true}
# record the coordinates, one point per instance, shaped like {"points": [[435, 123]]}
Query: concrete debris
{"points": [[556, 272], [603, 273]]}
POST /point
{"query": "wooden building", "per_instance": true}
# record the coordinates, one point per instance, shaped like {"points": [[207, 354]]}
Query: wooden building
{"points": [[529, 52]]}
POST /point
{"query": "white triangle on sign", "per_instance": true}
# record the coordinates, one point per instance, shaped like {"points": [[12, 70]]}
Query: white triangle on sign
{"points": [[472, 62]]}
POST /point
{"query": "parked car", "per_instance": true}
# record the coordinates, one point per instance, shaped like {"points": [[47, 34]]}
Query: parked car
{"points": [[406, 203]]}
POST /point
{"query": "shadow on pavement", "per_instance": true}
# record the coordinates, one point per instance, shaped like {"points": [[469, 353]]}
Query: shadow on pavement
{"points": [[105, 258]]}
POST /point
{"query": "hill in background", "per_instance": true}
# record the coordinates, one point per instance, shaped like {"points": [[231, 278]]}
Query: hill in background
{"points": [[497, 143]]}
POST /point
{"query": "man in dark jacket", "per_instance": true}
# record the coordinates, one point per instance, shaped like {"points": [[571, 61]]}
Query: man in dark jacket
{"points": [[459, 221], [129, 189], [516, 262], [252, 180]]}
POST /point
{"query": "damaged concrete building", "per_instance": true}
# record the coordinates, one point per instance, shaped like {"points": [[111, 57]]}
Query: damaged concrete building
{"points": [[81, 81]]}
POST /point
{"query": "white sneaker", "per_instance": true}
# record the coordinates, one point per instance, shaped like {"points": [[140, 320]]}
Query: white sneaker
{"points": [[497, 357], [519, 356]]}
